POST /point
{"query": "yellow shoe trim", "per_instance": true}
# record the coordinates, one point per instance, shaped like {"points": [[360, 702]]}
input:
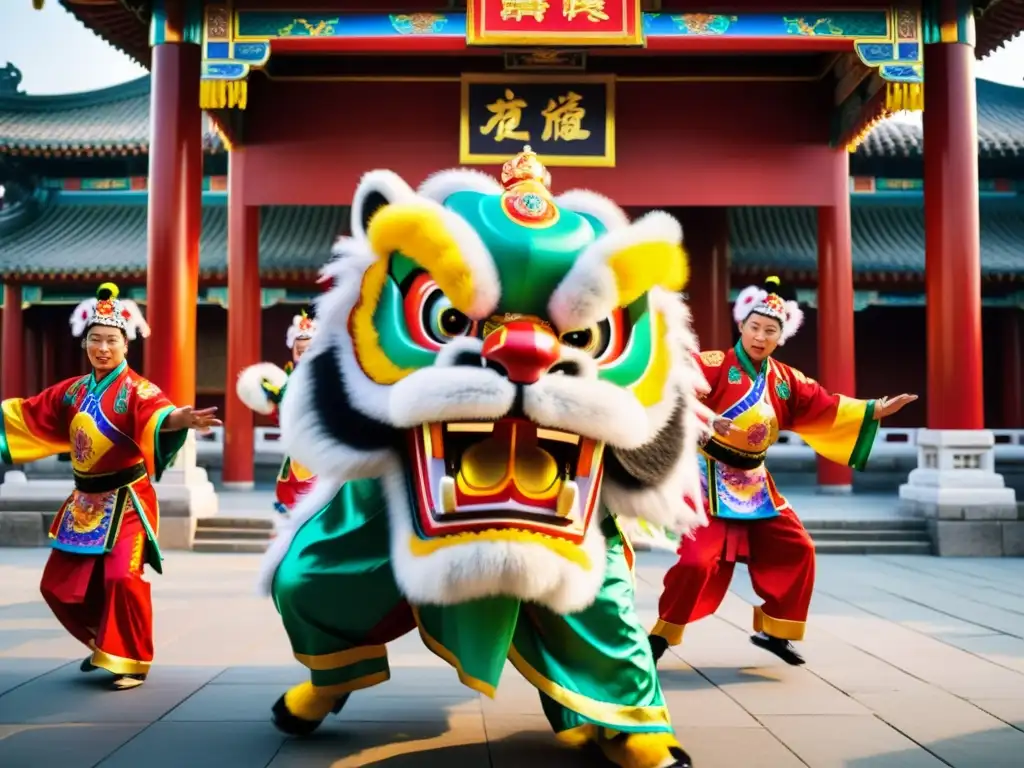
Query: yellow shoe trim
{"points": [[640, 750], [784, 629], [307, 702], [118, 664], [671, 633], [578, 736], [127, 683]]}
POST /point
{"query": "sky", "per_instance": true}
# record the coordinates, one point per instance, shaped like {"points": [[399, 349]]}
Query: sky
{"points": [[30, 38]]}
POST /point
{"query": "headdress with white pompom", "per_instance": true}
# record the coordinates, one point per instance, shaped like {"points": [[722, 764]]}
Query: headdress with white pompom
{"points": [[303, 327], [107, 309], [774, 300]]}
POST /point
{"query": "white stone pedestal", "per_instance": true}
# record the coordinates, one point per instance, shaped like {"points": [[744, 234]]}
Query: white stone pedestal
{"points": [[28, 505], [970, 511]]}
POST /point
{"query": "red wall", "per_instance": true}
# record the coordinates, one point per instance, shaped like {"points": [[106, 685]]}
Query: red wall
{"points": [[677, 143]]}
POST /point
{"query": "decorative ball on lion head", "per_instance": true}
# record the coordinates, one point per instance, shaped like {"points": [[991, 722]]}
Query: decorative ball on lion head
{"points": [[507, 361]]}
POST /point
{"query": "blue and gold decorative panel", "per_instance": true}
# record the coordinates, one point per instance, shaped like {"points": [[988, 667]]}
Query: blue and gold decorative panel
{"points": [[834, 24], [236, 41], [567, 120]]}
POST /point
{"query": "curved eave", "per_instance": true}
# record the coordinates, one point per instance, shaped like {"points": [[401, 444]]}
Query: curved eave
{"points": [[117, 25], [1001, 22]]}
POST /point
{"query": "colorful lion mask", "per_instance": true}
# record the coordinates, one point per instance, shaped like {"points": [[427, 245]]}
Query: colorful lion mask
{"points": [[511, 364]]}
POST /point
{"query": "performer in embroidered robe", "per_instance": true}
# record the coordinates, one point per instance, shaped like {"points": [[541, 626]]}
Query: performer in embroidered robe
{"points": [[120, 431], [497, 375], [261, 388], [753, 396]]}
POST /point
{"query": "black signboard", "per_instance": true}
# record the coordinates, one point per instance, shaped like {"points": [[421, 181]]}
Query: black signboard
{"points": [[567, 120]]}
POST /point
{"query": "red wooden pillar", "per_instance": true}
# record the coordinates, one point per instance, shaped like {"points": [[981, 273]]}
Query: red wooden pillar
{"points": [[952, 227], [706, 237], [244, 318], [1013, 371], [175, 200], [836, 359], [12, 372]]}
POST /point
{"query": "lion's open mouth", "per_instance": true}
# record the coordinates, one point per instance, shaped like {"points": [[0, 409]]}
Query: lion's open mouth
{"points": [[509, 474]]}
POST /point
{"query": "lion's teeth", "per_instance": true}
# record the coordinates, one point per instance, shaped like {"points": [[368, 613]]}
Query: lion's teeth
{"points": [[470, 426], [567, 496], [558, 436], [446, 495]]}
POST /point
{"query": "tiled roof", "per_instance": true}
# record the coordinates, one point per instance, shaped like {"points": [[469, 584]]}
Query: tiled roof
{"points": [[110, 121], [1000, 127], [95, 241], [886, 239]]}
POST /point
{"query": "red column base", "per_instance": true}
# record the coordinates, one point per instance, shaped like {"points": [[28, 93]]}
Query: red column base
{"points": [[834, 478]]}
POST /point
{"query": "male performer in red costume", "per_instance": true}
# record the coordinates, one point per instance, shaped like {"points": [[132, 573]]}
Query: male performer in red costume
{"points": [[261, 388], [754, 397], [120, 430]]}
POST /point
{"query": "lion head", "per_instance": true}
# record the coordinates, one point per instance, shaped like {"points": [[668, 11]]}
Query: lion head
{"points": [[502, 359]]}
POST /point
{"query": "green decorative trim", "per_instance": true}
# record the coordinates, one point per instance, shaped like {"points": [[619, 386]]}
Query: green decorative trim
{"points": [[192, 27], [782, 390], [865, 440], [735, 377], [72, 392], [121, 401], [5, 451], [156, 561], [166, 444], [747, 363], [938, 27], [102, 385]]}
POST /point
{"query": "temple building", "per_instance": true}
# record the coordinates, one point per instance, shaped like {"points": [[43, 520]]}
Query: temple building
{"points": [[74, 212]]}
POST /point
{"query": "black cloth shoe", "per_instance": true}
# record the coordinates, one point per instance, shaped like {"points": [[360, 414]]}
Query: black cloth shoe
{"points": [[784, 649], [682, 758], [658, 646], [291, 724], [87, 665], [339, 704]]}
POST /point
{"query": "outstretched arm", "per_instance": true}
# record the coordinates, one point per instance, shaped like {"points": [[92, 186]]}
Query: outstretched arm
{"points": [[839, 428], [33, 428]]}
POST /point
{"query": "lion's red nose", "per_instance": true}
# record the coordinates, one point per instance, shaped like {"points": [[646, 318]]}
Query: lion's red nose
{"points": [[523, 349]]}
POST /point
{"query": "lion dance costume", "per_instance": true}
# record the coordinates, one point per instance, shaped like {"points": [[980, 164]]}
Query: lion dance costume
{"points": [[497, 373], [261, 388], [749, 519], [106, 531]]}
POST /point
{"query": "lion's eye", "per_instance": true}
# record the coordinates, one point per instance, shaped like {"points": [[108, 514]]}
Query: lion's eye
{"points": [[430, 318], [581, 339], [443, 321], [604, 341]]}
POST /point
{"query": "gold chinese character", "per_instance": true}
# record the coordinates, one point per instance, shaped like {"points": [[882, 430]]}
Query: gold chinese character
{"points": [[516, 9], [594, 9], [563, 119], [508, 113]]}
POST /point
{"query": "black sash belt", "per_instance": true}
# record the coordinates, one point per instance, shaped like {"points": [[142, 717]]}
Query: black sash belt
{"points": [[731, 457], [109, 481]]}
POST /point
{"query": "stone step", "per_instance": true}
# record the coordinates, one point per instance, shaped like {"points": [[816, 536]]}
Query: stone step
{"points": [[229, 546], [872, 535], [882, 524], [233, 534], [873, 547], [260, 523]]}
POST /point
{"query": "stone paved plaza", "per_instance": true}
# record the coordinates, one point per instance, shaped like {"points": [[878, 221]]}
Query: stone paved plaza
{"points": [[912, 661]]}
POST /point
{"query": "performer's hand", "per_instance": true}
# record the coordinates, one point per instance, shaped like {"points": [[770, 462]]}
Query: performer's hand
{"points": [[187, 417], [725, 427], [887, 406]]}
